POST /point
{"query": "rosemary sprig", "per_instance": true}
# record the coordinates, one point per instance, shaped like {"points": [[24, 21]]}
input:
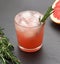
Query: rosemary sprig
{"points": [[6, 49], [47, 14]]}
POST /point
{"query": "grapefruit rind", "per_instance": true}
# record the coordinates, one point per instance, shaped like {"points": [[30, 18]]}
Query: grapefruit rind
{"points": [[54, 3], [52, 17]]}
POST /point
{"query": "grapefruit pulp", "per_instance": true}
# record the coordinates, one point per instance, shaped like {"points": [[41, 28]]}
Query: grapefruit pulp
{"points": [[55, 16]]}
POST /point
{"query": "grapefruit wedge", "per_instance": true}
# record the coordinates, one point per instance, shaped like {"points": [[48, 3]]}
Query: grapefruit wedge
{"points": [[55, 16]]}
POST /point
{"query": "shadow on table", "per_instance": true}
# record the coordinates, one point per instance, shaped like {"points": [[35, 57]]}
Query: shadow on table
{"points": [[32, 58], [55, 26]]}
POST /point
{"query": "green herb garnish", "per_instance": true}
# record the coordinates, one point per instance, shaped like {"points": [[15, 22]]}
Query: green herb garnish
{"points": [[6, 48], [47, 14]]}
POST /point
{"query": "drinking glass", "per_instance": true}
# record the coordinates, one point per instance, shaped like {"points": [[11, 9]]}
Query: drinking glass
{"points": [[29, 30]]}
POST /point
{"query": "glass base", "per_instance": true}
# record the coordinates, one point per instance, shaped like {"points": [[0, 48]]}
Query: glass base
{"points": [[30, 50]]}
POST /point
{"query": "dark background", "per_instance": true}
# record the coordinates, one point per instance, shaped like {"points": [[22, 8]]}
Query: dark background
{"points": [[50, 52]]}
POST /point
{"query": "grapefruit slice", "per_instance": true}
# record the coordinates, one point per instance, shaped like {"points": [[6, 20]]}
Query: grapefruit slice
{"points": [[55, 16]]}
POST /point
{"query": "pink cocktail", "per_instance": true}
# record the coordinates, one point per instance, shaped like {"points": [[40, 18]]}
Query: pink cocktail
{"points": [[29, 30]]}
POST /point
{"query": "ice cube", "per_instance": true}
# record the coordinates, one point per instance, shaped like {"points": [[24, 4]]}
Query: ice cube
{"points": [[34, 22], [23, 23], [37, 15], [31, 32], [26, 14]]}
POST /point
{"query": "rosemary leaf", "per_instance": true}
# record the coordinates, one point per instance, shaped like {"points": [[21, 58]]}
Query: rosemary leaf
{"points": [[6, 49], [47, 14]]}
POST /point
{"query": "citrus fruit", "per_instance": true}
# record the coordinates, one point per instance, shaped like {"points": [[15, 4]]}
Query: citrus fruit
{"points": [[55, 16]]}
